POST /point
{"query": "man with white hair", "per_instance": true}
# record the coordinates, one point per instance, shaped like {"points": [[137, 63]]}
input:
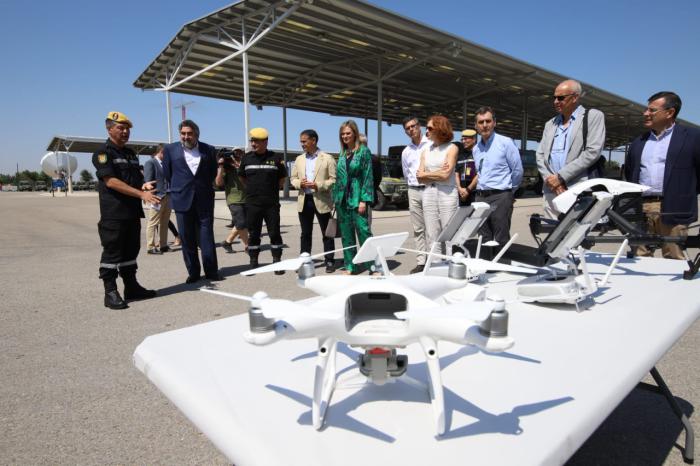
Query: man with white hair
{"points": [[571, 144]]}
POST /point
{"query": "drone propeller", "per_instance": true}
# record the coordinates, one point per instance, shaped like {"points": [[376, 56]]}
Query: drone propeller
{"points": [[275, 308], [478, 266], [290, 264], [227, 294]]}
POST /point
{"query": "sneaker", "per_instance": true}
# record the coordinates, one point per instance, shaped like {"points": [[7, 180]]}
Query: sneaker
{"points": [[227, 246], [154, 251], [418, 268]]}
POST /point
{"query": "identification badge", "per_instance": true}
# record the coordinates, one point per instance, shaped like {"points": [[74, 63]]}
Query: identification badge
{"points": [[102, 158]]}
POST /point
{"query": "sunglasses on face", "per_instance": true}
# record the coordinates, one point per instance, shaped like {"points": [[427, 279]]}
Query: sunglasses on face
{"points": [[560, 98]]}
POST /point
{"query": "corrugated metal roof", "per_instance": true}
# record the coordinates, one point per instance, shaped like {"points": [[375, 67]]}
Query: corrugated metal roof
{"points": [[326, 56]]}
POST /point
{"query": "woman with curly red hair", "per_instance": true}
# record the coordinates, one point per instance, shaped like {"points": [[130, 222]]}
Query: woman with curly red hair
{"points": [[436, 172]]}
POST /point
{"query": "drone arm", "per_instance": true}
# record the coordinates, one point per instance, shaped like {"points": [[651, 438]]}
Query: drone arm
{"points": [[437, 400], [324, 380]]}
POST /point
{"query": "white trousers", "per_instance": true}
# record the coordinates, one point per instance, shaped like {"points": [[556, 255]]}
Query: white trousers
{"points": [[440, 201], [415, 208]]}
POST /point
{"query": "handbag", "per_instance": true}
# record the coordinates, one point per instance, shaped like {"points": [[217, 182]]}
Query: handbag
{"points": [[332, 230]]}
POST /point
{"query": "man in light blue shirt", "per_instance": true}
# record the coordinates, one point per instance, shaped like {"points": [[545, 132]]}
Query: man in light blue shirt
{"points": [[499, 173], [569, 152]]}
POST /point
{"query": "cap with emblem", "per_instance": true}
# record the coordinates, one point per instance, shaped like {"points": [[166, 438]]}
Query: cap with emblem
{"points": [[119, 117], [258, 133], [469, 133]]}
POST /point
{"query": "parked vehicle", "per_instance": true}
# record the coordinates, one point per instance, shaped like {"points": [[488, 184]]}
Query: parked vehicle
{"points": [[531, 175], [40, 186], [25, 185]]}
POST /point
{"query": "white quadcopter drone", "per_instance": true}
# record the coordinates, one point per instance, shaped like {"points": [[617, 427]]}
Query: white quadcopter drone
{"points": [[379, 314]]}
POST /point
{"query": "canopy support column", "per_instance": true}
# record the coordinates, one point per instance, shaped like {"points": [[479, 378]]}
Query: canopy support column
{"points": [[284, 137], [523, 137], [380, 105], [168, 116]]}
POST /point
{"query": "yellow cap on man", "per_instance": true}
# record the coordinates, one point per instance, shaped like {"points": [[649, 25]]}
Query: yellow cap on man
{"points": [[258, 133], [119, 117], [469, 133]]}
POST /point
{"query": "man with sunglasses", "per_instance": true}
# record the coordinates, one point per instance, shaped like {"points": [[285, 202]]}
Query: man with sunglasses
{"points": [[667, 159], [263, 173], [571, 144], [410, 160]]}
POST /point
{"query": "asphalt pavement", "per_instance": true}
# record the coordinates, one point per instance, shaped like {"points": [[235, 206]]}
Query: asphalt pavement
{"points": [[71, 395]]}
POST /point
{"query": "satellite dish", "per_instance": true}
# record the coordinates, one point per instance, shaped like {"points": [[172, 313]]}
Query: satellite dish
{"points": [[53, 163]]}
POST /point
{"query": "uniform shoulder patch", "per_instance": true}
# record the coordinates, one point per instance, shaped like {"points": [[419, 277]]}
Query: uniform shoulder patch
{"points": [[102, 158]]}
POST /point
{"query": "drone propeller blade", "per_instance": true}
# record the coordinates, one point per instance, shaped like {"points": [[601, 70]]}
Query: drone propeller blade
{"points": [[228, 295], [290, 264], [482, 265]]}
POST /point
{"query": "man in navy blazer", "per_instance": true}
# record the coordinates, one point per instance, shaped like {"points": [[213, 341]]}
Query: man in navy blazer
{"points": [[189, 167], [666, 158]]}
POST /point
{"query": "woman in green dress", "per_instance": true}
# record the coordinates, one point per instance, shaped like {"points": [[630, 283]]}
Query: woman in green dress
{"points": [[353, 193]]}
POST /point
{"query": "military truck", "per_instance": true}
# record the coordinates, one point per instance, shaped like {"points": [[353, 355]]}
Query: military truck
{"points": [[393, 190], [40, 186], [25, 185]]}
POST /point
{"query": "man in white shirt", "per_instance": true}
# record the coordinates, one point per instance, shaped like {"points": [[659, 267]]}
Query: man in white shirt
{"points": [[410, 160], [190, 167]]}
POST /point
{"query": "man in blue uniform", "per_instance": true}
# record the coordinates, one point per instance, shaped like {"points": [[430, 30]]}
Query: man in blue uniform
{"points": [[263, 173], [121, 190]]}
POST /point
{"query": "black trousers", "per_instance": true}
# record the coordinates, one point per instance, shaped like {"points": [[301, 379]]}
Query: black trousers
{"points": [[306, 220], [121, 242], [497, 225], [270, 213]]}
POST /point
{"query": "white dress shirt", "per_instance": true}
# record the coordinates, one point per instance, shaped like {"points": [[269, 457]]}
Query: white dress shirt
{"points": [[192, 157], [410, 160]]}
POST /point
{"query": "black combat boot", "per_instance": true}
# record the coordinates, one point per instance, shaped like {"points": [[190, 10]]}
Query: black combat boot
{"points": [[134, 291], [275, 259], [113, 299]]}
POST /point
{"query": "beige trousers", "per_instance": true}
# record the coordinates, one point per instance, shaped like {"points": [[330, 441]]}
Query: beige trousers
{"points": [[652, 210], [158, 224]]}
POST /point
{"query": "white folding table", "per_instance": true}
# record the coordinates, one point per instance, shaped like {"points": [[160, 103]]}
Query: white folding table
{"points": [[536, 404]]}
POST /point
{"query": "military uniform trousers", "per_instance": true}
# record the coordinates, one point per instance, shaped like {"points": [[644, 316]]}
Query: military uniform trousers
{"points": [[354, 230], [121, 242], [270, 213]]}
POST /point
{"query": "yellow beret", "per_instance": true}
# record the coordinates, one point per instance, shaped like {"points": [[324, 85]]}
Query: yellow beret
{"points": [[119, 117], [258, 133], [470, 133]]}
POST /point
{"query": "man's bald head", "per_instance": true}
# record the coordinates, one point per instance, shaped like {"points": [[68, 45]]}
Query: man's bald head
{"points": [[566, 97]]}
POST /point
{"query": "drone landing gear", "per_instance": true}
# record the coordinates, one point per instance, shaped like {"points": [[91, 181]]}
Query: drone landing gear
{"points": [[377, 365], [324, 381]]}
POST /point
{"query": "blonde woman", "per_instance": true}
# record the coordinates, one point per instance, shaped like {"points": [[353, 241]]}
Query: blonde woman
{"points": [[353, 193]]}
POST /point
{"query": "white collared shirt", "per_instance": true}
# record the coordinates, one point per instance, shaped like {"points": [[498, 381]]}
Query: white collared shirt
{"points": [[192, 157], [410, 160], [310, 168]]}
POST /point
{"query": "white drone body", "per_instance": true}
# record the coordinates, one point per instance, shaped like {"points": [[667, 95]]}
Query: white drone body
{"points": [[378, 314]]}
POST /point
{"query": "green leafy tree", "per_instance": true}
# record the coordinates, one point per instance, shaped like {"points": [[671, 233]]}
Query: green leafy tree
{"points": [[86, 176]]}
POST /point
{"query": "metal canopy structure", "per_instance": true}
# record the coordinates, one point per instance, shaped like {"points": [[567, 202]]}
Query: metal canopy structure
{"points": [[351, 58], [90, 145]]}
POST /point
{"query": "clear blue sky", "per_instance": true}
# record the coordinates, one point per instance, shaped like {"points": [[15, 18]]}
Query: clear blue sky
{"points": [[67, 63]]}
